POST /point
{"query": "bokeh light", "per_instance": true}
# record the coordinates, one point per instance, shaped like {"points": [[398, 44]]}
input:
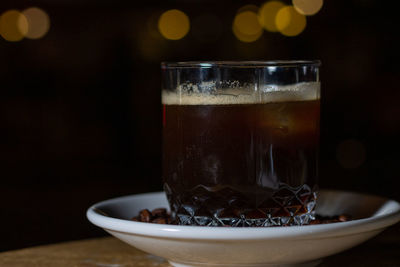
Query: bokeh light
{"points": [[267, 14], [13, 25], [207, 28], [38, 22], [173, 24], [247, 38], [308, 7], [246, 26], [289, 22], [247, 22], [350, 154]]}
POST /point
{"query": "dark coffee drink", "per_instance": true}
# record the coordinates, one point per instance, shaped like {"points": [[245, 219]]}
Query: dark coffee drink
{"points": [[242, 160]]}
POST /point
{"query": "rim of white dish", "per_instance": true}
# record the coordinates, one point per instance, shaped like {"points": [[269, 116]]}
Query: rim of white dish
{"points": [[373, 223]]}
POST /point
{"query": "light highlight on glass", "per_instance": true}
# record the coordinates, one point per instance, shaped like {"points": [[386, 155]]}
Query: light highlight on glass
{"points": [[308, 7], [38, 22], [246, 27], [267, 15], [13, 25], [289, 22], [173, 24]]}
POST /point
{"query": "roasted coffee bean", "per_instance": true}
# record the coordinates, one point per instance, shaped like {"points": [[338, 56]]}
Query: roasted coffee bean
{"points": [[159, 221], [160, 212], [145, 215], [344, 218], [315, 222]]}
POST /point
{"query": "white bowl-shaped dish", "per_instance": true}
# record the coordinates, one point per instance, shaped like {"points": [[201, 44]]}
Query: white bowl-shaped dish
{"points": [[259, 246]]}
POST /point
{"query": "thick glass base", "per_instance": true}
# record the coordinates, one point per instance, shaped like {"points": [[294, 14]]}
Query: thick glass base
{"points": [[285, 207], [302, 219]]}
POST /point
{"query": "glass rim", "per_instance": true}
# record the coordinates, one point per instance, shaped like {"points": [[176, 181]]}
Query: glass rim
{"points": [[240, 64]]}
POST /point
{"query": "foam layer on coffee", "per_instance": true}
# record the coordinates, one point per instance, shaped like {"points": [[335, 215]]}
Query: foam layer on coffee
{"points": [[240, 95]]}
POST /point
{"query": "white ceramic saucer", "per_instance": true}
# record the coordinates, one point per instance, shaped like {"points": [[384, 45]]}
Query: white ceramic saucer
{"points": [[224, 246]]}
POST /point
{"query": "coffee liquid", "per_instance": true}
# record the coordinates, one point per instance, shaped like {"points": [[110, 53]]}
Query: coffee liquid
{"points": [[242, 160]]}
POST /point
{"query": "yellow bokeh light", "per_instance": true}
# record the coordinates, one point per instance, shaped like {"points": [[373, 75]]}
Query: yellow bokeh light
{"points": [[173, 24], [247, 38], [13, 25], [308, 7], [247, 22], [246, 27], [289, 22], [267, 15], [38, 22]]}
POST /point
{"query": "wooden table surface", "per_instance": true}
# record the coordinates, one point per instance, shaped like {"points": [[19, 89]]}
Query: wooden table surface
{"points": [[383, 250]]}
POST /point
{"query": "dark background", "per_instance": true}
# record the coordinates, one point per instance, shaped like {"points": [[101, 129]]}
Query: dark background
{"points": [[80, 108]]}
